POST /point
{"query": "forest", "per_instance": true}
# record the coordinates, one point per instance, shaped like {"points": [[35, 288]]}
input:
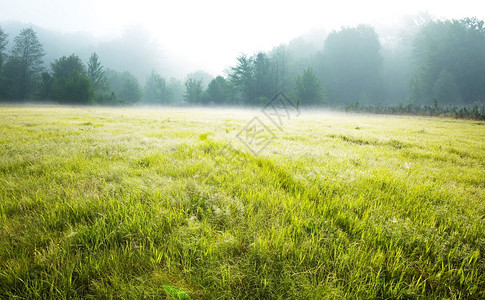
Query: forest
{"points": [[433, 64]]}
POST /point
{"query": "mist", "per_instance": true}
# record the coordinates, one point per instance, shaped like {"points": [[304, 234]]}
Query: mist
{"points": [[377, 59]]}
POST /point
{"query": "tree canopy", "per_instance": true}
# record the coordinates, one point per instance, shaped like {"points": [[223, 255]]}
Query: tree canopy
{"points": [[353, 63], [25, 63], [309, 89], [218, 91], [3, 44], [451, 50], [70, 84], [157, 90], [439, 62], [193, 90]]}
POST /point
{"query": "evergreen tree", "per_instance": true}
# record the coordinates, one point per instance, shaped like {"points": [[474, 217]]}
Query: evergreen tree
{"points": [[97, 74]]}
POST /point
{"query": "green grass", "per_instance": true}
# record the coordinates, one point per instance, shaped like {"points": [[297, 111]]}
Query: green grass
{"points": [[146, 203]]}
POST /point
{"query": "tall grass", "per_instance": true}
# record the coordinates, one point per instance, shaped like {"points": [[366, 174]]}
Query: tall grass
{"points": [[138, 203]]}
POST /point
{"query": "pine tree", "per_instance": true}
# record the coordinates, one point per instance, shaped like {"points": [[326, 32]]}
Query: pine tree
{"points": [[96, 73]]}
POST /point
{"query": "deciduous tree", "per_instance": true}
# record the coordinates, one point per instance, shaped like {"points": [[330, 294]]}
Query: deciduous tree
{"points": [[27, 53], [217, 91], [125, 86], [193, 90], [353, 65], [457, 47], [3, 44], [309, 89], [70, 82], [156, 90]]}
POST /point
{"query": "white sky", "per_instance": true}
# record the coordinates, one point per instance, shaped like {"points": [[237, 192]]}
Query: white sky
{"points": [[210, 34]]}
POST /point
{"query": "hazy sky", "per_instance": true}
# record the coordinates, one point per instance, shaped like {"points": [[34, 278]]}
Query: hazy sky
{"points": [[210, 34]]}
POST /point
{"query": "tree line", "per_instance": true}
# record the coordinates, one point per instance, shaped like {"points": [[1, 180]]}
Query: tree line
{"points": [[440, 63], [23, 76]]}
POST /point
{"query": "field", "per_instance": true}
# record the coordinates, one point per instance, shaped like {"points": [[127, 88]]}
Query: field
{"points": [[134, 203]]}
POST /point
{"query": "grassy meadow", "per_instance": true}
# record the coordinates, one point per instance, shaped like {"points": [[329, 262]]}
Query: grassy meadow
{"points": [[150, 203]]}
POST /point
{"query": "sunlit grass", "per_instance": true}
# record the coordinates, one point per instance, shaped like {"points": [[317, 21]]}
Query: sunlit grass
{"points": [[133, 203]]}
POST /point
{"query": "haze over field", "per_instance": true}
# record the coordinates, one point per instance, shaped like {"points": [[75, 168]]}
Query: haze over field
{"points": [[386, 58], [209, 35]]}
